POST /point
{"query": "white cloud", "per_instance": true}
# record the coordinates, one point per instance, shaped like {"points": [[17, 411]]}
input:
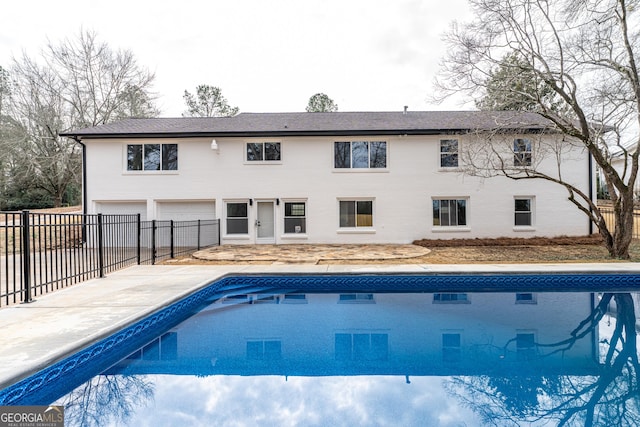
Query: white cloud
{"points": [[301, 401], [266, 56]]}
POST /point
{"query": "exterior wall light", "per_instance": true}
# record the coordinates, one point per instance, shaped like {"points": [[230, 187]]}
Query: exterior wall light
{"points": [[214, 145]]}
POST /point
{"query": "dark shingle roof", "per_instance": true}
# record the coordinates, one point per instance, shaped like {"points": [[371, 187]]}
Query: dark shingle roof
{"points": [[308, 124]]}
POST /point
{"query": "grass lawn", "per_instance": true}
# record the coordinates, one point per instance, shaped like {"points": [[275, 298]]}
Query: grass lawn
{"points": [[588, 249], [524, 254]]}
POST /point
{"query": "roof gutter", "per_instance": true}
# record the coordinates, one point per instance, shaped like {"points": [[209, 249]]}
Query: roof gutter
{"points": [[286, 133]]}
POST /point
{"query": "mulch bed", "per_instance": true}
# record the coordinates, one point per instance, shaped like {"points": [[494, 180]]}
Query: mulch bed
{"points": [[594, 239]]}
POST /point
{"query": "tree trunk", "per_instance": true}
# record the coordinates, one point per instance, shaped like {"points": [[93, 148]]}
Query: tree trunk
{"points": [[57, 200], [618, 243]]}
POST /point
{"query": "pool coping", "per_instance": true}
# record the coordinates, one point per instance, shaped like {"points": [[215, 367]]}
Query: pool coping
{"points": [[53, 327]]}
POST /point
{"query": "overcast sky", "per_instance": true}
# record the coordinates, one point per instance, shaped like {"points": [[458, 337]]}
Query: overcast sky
{"points": [[266, 56]]}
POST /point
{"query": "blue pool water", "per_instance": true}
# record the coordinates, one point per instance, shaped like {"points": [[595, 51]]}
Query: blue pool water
{"points": [[436, 350]]}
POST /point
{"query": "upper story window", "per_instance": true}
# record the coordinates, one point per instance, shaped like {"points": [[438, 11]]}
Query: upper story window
{"points": [[522, 152], [451, 347], [360, 155], [263, 152], [264, 350], [152, 157], [361, 346], [526, 347], [448, 153]]}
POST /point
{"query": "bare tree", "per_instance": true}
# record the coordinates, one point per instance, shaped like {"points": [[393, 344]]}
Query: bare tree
{"points": [[609, 396], [107, 400], [5, 89], [584, 51], [321, 103], [75, 84], [208, 102]]}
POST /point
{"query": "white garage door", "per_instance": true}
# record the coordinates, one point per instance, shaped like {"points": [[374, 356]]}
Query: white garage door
{"points": [[123, 208], [186, 211], [119, 233]]}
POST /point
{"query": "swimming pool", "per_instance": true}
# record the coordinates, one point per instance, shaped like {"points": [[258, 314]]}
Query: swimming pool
{"points": [[341, 350]]}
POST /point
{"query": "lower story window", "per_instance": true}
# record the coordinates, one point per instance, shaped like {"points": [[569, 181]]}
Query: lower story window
{"points": [[356, 213], [295, 217], [362, 298], [523, 212], [450, 298], [237, 218], [526, 298], [449, 212]]}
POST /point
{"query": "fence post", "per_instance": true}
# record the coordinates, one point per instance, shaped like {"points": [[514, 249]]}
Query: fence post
{"points": [[26, 255], [100, 247], [171, 240], [153, 242], [139, 234], [198, 234]]}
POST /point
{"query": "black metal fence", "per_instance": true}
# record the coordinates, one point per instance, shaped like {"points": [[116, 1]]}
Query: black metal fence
{"points": [[610, 219], [41, 252]]}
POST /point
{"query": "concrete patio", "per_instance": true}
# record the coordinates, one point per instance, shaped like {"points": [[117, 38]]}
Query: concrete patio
{"points": [[310, 253]]}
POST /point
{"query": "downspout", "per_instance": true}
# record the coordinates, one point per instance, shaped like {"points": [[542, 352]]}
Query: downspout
{"points": [[590, 191], [84, 173], [84, 188], [595, 338]]}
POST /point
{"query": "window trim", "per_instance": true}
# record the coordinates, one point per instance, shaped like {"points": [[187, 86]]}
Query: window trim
{"points": [[263, 161], [368, 169], [144, 171]]}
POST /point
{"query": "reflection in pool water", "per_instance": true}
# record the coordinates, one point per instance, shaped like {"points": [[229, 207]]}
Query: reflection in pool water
{"points": [[437, 359]]}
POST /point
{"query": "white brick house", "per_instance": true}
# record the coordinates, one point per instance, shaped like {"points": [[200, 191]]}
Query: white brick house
{"points": [[386, 177]]}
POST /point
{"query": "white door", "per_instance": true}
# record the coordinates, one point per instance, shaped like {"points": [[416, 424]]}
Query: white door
{"points": [[265, 222]]}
